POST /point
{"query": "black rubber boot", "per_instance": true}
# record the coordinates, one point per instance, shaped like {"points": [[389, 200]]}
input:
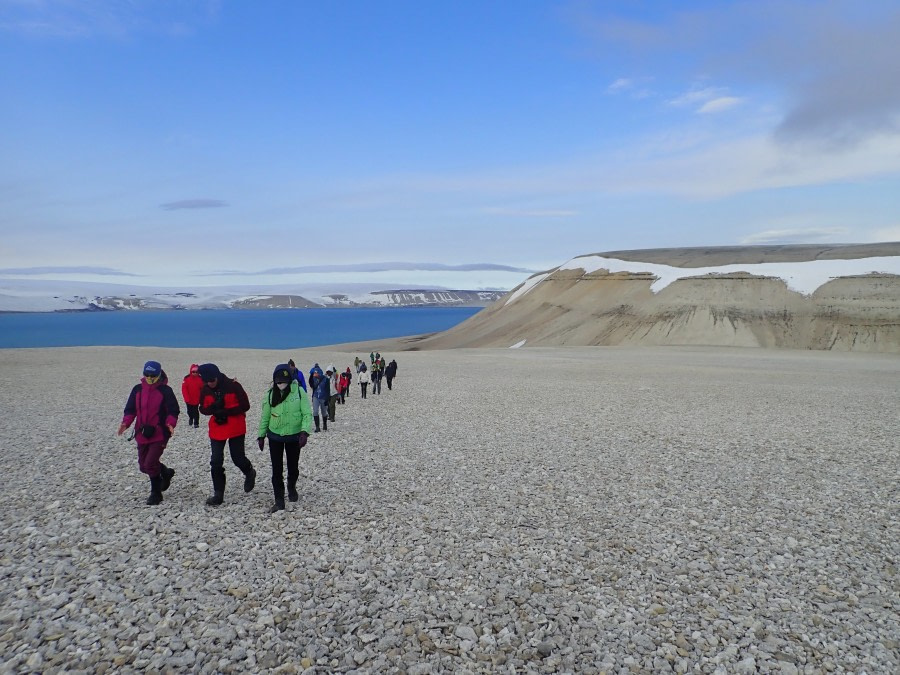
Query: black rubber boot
{"points": [[167, 475], [249, 480], [278, 489], [292, 491], [218, 495], [316, 418], [155, 491], [324, 422]]}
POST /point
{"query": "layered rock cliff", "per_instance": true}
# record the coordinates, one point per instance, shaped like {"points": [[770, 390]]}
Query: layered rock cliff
{"points": [[799, 297]]}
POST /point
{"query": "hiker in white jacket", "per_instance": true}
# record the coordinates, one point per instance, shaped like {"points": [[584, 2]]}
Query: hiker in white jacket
{"points": [[363, 378]]}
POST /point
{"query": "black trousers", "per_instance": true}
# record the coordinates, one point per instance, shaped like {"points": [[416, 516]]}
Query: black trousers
{"points": [[238, 456], [362, 386], [389, 379], [193, 414], [277, 451]]}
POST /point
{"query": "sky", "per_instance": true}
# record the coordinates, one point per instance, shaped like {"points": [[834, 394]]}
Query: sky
{"points": [[197, 141]]}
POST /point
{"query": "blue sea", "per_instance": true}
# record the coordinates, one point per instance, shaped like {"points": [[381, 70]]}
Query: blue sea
{"points": [[243, 328]]}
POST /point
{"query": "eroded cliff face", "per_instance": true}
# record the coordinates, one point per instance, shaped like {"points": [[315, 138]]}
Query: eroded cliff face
{"points": [[572, 307]]}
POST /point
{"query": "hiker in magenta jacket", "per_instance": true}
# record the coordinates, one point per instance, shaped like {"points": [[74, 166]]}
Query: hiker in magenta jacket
{"points": [[226, 403], [153, 408], [190, 392]]}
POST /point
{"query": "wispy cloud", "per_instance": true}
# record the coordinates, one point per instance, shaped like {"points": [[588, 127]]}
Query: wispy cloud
{"points": [[720, 104], [29, 271], [805, 235], [375, 267], [194, 204], [74, 19], [531, 213]]}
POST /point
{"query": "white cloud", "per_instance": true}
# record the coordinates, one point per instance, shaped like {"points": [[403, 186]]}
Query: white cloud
{"points": [[719, 104], [696, 96], [622, 84]]}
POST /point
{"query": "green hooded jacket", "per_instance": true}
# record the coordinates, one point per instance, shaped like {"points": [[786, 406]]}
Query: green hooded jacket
{"points": [[289, 417]]}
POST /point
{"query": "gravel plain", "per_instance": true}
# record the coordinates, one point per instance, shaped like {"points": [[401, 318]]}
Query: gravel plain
{"points": [[619, 510]]}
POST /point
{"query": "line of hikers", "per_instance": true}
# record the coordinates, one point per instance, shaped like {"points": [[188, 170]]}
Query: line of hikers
{"points": [[288, 410]]}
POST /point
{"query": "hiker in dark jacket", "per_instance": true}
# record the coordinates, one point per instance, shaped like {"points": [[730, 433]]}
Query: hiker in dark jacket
{"points": [[390, 372], [153, 408], [297, 374], [226, 403], [320, 386]]}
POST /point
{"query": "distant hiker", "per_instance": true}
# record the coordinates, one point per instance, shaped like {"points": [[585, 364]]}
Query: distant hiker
{"points": [[372, 357], [320, 386], [377, 374], [349, 375], [153, 408], [297, 374], [390, 372], [190, 392], [356, 362], [344, 382], [335, 380], [226, 403], [285, 421], [363, 379]]}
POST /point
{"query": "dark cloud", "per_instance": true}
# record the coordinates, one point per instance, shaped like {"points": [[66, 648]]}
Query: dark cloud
{"points": [[194, 204], [834, 65]]}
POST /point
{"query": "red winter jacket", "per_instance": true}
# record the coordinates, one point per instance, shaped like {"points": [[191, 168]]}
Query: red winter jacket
{"points": [[191, 387], [226, 405]]}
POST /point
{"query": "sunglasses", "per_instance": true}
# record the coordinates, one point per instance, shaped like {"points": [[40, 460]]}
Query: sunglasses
{"points": [[151, 378]]}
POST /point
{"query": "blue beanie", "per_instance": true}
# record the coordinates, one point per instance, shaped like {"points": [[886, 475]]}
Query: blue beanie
{"points": [[152, 369]]}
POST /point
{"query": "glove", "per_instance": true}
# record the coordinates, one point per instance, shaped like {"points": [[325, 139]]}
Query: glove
{"points": [[261, 442], [303, 438], [221, 419]]}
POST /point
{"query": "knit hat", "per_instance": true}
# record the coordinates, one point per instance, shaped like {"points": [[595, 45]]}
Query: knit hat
{"points": [[194, 367], [281, 374], [209, 372], [152, 369]]}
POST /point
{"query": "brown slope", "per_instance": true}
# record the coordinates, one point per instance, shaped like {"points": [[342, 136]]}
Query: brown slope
{"points": [[860, 313]]}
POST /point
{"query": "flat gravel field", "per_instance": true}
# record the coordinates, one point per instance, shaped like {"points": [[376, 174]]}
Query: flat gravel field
{"points": [[585, 510]]}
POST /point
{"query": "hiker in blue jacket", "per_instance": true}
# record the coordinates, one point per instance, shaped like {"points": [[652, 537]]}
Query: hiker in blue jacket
{"points": [[297, 374], [321, 392]]}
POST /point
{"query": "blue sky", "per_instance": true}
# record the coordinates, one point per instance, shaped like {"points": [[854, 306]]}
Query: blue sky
{"points": [[191, 137]]}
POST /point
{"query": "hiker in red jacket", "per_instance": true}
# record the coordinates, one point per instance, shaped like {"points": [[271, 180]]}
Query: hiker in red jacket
{"points": [[226, 402], [190, 392]]}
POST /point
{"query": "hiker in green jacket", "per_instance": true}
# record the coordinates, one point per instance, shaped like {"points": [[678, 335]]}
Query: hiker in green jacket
{"points": [[285, 421]]}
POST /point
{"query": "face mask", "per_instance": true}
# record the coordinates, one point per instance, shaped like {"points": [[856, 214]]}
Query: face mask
{"points": [[151, 379], [282, 385]]}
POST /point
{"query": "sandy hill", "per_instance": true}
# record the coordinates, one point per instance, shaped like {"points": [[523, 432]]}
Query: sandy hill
{"points": [[842, 297]]}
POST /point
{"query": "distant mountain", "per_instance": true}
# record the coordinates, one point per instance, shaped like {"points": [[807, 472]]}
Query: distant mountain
{"points": [[141, 299]]}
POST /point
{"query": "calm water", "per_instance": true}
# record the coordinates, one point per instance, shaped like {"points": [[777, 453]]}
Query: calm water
{"points": [[255, 329]]}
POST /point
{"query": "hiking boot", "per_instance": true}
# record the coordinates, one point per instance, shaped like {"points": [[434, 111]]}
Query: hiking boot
{"points": [[218, 481], [249, 480], [277, 506], [292, 492], [155, 492], [167, 475]]}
